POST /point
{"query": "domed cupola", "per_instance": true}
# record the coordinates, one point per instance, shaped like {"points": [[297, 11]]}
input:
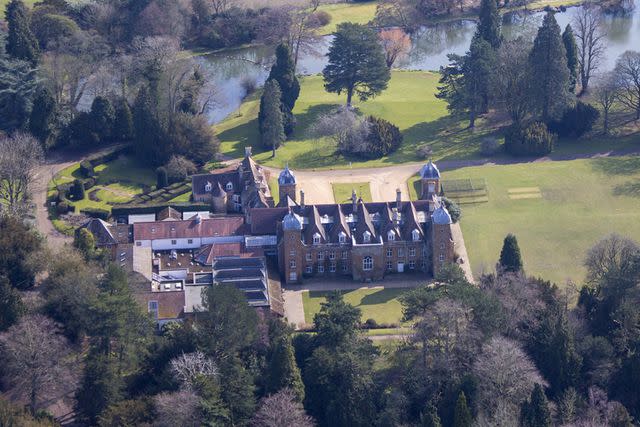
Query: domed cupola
{"points": [[430, 171], [286, 177], [441, 216], [291, 221]]}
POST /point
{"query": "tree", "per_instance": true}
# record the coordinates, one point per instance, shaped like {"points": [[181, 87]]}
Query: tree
{"points": [[101, 387], [21, 43], [571, 48], [11, 305], [462, 415], [283, 372], [77, 190], [591, 43], [535, 411], [36, 359], [605, 94], [18, 83], [42, 114], [284, 72], [510, 258], [149, 143], [344, 127], [453, 208], [123, 124], [512, 88], [84, 241], [628, 72], [282, 409], [337, 321], [178, 408], [396, 44], [189, 368], [20, 155], [272, 128], [161, 177], [102, 118], [356, 63], [489, 24], [19, 246], [549, 73]]}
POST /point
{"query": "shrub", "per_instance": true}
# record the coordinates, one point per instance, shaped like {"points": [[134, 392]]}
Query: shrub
{"points": [[103, 117], [534, 139], [425, 152], [576, 121], [384, 138], [86, 169], [179, 168], [62, 208], [89, 183], [453, 208], [77, 190], [371, 324], [249, 84], [321, 18], [161, 178], [489, 146], [102, 214]]}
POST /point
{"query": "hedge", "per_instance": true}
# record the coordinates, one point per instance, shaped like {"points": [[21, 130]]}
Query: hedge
{"points": [[96, 213]]}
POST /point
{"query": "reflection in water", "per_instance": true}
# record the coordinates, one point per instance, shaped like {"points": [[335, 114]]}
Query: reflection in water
{"points": [[430, 46]]}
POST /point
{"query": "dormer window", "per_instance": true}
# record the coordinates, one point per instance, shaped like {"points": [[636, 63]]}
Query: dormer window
{"points": [[391, 236], [366, 237], [208, 187], [415, 235], [316, 238], [342, 237], [229, 186]]}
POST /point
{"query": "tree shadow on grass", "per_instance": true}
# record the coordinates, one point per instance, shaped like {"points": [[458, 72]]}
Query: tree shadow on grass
{"points": [[381, 296], [631, 189], [617, 165]]}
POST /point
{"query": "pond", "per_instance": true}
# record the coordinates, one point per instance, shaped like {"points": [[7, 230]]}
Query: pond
{"points": [[232, 69]]}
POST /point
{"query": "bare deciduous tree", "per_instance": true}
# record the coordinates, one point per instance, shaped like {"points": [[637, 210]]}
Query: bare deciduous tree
{"points": [[179, 408], [344, 127], [281, 410], [396, 44], [508, 376], [591, 43], [605, 94], [512, 81], [20, 155], [611, 258], [219, 6], [37, 360], [628, 74], [187, 367]]}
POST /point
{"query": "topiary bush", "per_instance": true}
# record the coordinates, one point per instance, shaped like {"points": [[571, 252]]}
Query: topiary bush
{"points": [[89, 183], [531, 140], [78, 190], [102, 214], [161, 178], [62, 208], [453, 208], [576, 121], [86, 169], [384, 137]]}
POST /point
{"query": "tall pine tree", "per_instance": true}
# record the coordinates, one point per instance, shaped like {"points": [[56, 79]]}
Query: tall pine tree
{"points": [[150, 144], [284, 72], [42, 114], [510, 258], [462, 415], [272, 127], [478, 67], [535, 412], [548, 70], [489, 24], [569, 40], [21, 43], [283, 372]]}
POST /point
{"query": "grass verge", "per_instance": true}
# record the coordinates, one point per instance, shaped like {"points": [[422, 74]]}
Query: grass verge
{"points": [[342, 191]]}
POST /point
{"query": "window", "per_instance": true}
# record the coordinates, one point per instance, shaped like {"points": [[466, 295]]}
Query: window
{"points": [[366, 237], [153, 229], [309, 257], [367, 263], [391, 236], [316, 239], [400, 252], [190, 241], [236, 198], [320, 256], [138, 243], [342, 237], [423, 263], [345, 267], [309, 269], [332, 255], [441, 257], [332, 267], [208, 187], [441, 245], [292, 263], [292, 252], [389, 265], [412, 264], [153, 309], [412, 251], [173, 228], [174, 242], [293, 276], [229, 186], [320, 268], [415, 235], [345, 254], [389, 253]]}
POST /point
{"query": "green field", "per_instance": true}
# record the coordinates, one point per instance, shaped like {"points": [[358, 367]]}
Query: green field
{"points": [[342, 191], [409, 103], [359, 13], [379, 304], [557, 210]]}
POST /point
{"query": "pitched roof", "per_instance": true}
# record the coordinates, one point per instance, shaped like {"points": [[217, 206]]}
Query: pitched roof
{"points": [[101, 231], [214, 227], [430, 171], [168, 213]]}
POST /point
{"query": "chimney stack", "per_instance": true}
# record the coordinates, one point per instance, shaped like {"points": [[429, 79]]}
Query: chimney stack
{"points": [[398, 198], [354, 200], [302, 199], [395, 217], [247, 151]]}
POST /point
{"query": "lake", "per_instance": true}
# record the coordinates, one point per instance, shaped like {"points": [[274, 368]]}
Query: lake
{"points": [[231, 69]]}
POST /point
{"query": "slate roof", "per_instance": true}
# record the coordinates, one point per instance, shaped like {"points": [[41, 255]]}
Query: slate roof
{"points": [[430, 171], [286, 177], [101, 231], [213, 227]]}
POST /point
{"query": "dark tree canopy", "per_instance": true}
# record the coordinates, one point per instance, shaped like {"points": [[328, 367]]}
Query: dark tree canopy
{"points": [[21, 43], [462, 415], [569, 40], [535, 412], [510, 258], [489, 25], [284, 72], [356, 63], [18, 83], [42, 114], [272, 123], [18, 246]]}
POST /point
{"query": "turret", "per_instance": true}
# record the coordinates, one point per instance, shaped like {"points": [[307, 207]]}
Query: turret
{"points": [[287, 184], [443, 250], [429, 180]]}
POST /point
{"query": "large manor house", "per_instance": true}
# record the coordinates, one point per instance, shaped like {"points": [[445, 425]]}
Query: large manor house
{"points": [[244, 239]]}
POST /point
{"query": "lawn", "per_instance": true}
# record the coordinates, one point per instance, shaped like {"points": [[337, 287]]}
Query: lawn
{"points": [[342, 191], [558, 210], [409, 103], [359, 13], [379, 304]]}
